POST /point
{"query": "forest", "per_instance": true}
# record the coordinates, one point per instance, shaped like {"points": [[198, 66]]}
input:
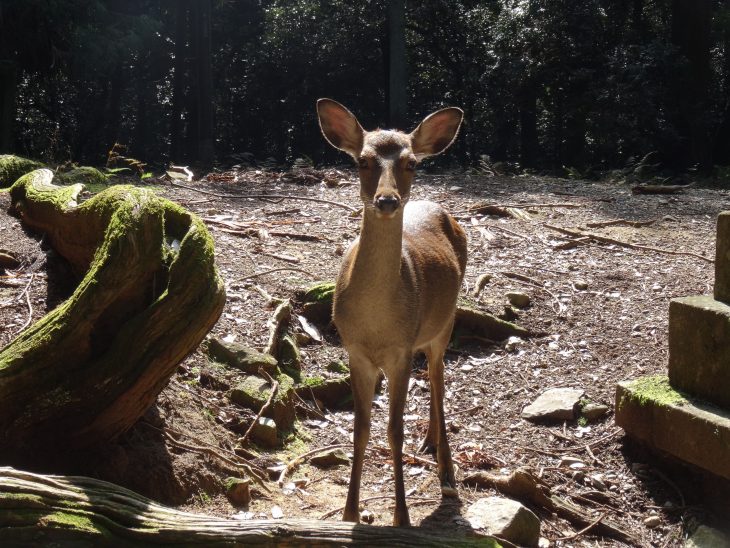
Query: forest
{"points": [[505, 325], [549, 85]]}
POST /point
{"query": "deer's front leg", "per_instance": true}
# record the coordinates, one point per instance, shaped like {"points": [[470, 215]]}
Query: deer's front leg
{"points": [[363, 376], [398, 390]]}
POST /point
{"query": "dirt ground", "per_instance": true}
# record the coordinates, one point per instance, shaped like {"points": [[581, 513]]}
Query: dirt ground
{"points": [[602, 306]]}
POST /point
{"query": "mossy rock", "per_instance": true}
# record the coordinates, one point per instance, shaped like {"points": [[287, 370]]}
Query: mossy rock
{"points": [[88, 176], [317, 302], [335, 393], [253, 392], [242, 357], [289, 353], [13, 167]]}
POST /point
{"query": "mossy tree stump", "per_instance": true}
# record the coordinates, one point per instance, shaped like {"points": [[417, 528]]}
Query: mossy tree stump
{"points": [[89, 369]]}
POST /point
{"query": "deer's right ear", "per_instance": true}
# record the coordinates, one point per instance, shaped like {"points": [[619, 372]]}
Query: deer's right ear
{"points": [[340, 127]]}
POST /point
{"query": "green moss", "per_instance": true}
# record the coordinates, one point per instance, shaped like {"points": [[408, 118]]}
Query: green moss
{"points": [[78, 522], [13, 167], [321, 292], [85, 175], [655, 390], [313, 381], [338, 366]]}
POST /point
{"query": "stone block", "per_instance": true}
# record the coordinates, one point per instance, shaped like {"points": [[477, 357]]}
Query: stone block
{"points": [[699, 348], [722, 258], [650, 410]]}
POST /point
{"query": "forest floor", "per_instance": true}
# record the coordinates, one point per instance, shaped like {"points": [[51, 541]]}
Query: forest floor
{"points": [[603, 308]]}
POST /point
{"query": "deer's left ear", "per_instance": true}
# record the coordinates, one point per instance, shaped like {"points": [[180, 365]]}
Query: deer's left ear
{"points": [[436, 132]]}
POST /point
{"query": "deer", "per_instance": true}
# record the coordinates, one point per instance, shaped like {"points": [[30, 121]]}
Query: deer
{"points": [[397, 288]]}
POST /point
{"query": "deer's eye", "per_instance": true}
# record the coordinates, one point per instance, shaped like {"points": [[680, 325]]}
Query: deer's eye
{"points": [[363, 163], [411, 165]]}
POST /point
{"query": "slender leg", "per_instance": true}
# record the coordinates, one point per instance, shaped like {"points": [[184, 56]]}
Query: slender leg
{"points": [[435, 356], [363, 377], [398, 390], [428, 445]]}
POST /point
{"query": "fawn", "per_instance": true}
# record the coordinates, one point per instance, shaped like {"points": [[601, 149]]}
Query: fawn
{"points": [[397, 288]]}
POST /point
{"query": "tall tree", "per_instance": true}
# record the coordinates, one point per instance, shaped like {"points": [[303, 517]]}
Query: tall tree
{"points": [[397, 78]]}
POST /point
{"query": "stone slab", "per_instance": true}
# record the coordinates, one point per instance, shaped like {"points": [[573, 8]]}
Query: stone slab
{"points": [[696, 432], [722, 258], [699, 348]]}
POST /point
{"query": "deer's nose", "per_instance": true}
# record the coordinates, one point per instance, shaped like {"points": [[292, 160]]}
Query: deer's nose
{"points": [[387, 204]]}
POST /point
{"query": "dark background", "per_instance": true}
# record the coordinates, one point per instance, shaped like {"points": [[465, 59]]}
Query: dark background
{"points": [[553, 85]]}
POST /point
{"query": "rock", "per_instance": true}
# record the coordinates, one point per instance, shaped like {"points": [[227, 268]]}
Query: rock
{"points": [[289, 353], [13, 167], [253, 392], [333, 393], [333, 457], [593, 411], [569, 461], [265, 432], [699, 330], [84, 175], [317, 302], [652, 521], [505, 518], [509, 314], [241, 357], [238, 491], [707, 537], [518, 299], [554, 404], [366, 516], [512, 344], [338, 366], [580, 285]]}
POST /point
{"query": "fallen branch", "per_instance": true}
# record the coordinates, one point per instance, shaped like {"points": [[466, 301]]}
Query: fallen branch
{"points": [[659, 189], [71, 510], [523, 485], [584, 530], [607, 240], [616, 222], [271, 271], [304, 456]]}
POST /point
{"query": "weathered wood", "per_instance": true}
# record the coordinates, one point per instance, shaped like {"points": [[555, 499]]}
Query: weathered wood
{"points": [[88, 370], [77, 511]]}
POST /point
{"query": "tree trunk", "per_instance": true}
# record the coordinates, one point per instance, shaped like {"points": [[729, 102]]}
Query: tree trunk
{"points": [[206, 128], [89, 369], [76, 511], [8, 85], [529, 143], [178, 83], [691, 33], [397, 95]]}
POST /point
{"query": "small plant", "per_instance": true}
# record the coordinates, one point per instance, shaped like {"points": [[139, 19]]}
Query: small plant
{"points": [[117, 162]]}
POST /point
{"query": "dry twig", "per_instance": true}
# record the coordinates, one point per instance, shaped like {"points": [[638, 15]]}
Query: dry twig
{"points": [[274, 390], [607, 240]]}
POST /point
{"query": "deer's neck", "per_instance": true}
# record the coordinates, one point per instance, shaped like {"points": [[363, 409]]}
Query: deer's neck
{"points": [[377, 262]]}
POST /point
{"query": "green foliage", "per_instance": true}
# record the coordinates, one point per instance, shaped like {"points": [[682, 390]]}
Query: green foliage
{"points": [[544, 83]]}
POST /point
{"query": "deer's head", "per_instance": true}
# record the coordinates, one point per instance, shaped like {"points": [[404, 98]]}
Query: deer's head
{"points": [[387, 159]]}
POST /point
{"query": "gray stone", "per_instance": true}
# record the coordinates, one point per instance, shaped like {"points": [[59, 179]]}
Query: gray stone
{"points": [[333, 457], [518, 299], [554, 404], [649, 410], [505, 518], [699, 348], [722, 258], [594, 411], [265, 432], [580, 285], [707, 537], [253, 392], [238, 491], [241, 357]]}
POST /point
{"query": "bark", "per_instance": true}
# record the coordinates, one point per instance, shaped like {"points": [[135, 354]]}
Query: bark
{"points": [[8, 83], [397, 101], [206, 126], [87, 371], [178, 85], [77, 511], [529, 142]]}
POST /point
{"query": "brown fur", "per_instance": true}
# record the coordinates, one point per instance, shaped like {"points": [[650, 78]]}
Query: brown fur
{"points": [[397, 288]]}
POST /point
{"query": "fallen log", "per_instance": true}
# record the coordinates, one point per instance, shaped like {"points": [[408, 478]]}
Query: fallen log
{"points": [[89, 369], [77, 511]]}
